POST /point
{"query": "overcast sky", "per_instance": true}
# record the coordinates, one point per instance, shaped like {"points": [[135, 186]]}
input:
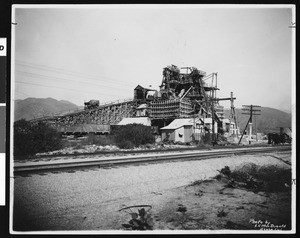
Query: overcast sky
{"points": [[103, 53]]}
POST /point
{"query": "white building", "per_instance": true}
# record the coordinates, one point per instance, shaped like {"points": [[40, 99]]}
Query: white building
{"points": [[137, 120], [182, 129], [187, 129]]}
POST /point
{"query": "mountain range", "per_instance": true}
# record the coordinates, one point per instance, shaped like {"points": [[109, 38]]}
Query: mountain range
{"points": [[269, 121], [31, 108]]}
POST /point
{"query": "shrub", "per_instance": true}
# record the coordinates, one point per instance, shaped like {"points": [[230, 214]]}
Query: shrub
{"points": [[206, 138], [125, 144], [131, 135], [268, 178], [139, 221], [30, 139], [93, 139]]}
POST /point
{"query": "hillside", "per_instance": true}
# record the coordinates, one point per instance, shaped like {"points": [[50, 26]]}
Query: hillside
{"points": [[31, 108], [269, 121]]}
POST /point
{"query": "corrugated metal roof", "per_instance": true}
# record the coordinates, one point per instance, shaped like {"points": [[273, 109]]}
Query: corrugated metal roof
{"points": [[177, 123], [138, 120]]}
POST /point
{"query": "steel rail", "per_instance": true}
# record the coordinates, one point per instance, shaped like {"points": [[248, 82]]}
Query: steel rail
{"points": [[43, 167]]}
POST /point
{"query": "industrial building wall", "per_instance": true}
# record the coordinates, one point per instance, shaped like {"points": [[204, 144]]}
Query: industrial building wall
{"points": [[166, 133], [180, 135], [188, 132]]}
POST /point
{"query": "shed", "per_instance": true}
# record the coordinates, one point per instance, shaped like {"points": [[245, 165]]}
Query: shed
{"points": [[139, 92], [181, 130], [141, 111]]}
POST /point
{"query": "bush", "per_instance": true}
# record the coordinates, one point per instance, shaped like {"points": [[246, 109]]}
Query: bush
{"points": [[206, 138], [268, 178], [125, 144], [30, 139], [133, 135], [93, 139]]}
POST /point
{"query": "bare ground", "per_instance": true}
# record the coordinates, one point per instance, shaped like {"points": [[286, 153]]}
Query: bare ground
{"points": [[211, 206], [90, 200]]}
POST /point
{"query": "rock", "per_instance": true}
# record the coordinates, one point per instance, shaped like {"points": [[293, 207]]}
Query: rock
{"points": [[181, 208]]}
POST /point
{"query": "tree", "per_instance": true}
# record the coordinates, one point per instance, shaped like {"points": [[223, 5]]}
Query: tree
{"points": [[30, 139], [131, 135]]}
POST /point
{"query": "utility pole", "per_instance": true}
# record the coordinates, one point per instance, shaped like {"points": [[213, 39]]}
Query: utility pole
{"points": [[232, 113], [213, 110], [194, 124], [213, 119], [255, 127], [249, 110]]}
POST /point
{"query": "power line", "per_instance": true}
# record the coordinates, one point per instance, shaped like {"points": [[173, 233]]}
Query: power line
{"points": [[108, 102], [67, 72], [59, 78], [63, 88]]}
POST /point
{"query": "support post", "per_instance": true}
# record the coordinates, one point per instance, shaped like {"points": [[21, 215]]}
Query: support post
{"points": [[249, 111], [232, 116], [244, 131], [250, 123], [250, 132]]}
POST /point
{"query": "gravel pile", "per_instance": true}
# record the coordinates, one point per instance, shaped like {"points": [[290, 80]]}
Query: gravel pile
{"points": [[100, 148], [84, 149]]}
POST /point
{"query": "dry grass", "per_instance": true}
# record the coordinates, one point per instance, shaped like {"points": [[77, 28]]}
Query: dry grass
{"points": [[268, 178]]}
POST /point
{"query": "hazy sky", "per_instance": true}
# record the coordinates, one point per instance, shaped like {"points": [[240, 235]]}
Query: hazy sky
{"points": [[103, 53]]}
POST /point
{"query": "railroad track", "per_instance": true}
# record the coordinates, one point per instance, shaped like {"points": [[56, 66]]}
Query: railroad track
{"points": [[100, 162]]}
